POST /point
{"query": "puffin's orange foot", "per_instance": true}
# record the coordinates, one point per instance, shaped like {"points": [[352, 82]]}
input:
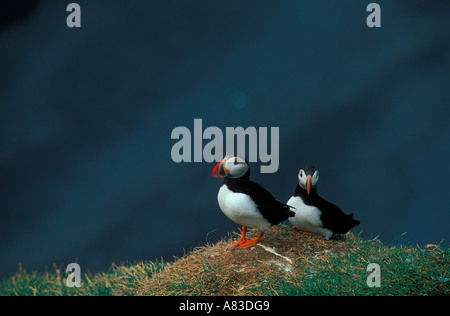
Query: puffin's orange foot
{"points": [[242, 240], [305, 232], [251, 242], [301, 231]]}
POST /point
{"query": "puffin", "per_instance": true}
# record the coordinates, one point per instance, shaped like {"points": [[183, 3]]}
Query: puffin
{"points": [[314, 214], [246, 202]]}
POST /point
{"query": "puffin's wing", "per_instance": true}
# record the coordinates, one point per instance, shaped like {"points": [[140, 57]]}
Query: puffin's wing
{"points": [[272, 209], [335, 219]]}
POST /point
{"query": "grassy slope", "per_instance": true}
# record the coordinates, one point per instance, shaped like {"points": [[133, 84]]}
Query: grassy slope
{"points": [[285, 263]]}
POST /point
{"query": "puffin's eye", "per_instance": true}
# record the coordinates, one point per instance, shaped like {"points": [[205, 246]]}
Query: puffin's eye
{"points": [[235, 162]]}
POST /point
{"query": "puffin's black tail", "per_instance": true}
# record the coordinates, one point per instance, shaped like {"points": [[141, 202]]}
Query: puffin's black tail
{"points": [[276, 213], [344, 224], [287, 210], [351, 222]]}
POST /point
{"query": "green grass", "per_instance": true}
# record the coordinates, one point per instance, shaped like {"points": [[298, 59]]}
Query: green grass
{"points": [[120, 280], [316, 267], [403, 271]]}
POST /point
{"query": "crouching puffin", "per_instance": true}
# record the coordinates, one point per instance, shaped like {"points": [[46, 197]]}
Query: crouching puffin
{"points": [[246, 202], [313, 214]]}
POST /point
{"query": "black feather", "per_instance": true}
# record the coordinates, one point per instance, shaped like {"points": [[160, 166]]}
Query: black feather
{"points": [[332, 217], [272, 209]]}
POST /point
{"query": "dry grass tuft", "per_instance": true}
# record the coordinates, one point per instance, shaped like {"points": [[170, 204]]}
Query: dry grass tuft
{"points": [[220, 270]]}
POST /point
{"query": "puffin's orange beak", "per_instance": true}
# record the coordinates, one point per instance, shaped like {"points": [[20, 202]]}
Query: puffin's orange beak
{"points": [[218, 171], [308, 187]]}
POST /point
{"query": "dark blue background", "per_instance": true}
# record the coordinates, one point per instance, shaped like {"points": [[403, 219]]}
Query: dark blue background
{"points": [[86, 117]]}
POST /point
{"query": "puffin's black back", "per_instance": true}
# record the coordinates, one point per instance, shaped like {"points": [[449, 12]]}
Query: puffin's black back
{"points": [[272, 209], [332, 216]]}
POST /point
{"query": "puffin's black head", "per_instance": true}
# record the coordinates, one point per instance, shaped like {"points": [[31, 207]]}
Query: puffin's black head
{"points": [[308, 177], [231, 167]]}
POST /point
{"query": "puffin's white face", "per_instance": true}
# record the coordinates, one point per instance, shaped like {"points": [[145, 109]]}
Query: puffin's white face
{"points": [[308, 179], [231, 167]]}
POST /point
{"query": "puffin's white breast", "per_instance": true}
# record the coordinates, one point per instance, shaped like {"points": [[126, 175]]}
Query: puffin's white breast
{"points": [[240, 208], [307, 217]]}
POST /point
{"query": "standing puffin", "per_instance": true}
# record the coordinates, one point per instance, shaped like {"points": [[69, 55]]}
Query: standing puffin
{"points": [[314, 214], [246, 202]]}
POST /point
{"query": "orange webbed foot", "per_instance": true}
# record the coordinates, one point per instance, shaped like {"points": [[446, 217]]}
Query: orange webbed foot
{"points": [[251, 242], [306, 233], [242, 240]]}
